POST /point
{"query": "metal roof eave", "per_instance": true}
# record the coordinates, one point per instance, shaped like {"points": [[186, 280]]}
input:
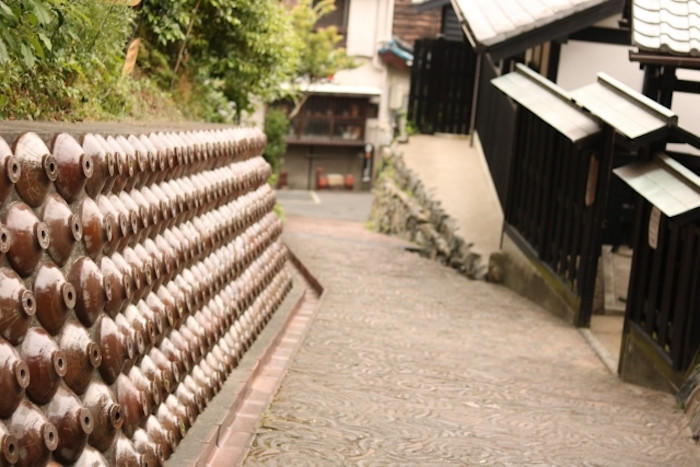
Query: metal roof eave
{"points": [[634, 116], [550, 103], [665, 183]]}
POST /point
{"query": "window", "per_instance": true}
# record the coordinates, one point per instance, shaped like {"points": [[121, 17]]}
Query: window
{"points": [[337, 18], [330, 120]]}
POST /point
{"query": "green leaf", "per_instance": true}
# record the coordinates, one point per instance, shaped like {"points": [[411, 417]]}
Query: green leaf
{"points": [[41, 12], [4, 57], [45, 40], [28, 57], [6, 10]]}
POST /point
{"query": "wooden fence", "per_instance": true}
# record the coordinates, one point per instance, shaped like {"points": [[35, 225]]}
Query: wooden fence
{"points": [[442, 82]]}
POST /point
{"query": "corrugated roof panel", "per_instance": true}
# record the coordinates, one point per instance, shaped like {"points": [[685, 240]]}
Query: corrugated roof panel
{"points": [[664, 183], [667, 26], [488, 22], [629, 112], [549, 102]]}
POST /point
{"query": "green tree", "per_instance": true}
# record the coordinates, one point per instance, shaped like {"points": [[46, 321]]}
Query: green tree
{"points": [[57, 54], [238, 48], [276, 127]]}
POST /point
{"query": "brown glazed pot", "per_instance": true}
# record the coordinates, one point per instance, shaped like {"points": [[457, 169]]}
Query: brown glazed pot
{"points": [[28, 238], [82, 356], [10, 168], [55, 297], [171, 423], [118, 221], [97, 228], [184, 414], [112, 347], [148, 449], [73, 423], [124, 454], [94, 150], [118, 283], [9, 449], [133, 341], [161, 384], [38, 168], [36, 436], [106, 415], [91, 458], [134, 403], [169, 369], [92, 291], [74, 166], [17, 306], [46, 362], [65, 228], [145, 385], [14, 378]]}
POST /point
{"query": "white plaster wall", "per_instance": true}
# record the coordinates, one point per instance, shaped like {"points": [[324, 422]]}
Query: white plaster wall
{"points": [[363, 23], [580, 62]]}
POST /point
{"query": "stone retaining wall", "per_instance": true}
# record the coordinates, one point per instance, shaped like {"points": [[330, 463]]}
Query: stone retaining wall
{"points": [[403, 207]]}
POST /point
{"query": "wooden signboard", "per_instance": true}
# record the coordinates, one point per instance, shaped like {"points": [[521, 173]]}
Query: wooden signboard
{"points": [[654, 219], [132, 53]]}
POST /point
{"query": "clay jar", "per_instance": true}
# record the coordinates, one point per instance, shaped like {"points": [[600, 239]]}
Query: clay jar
{"points": [[55, 297], [74, 167], [17, 306], [14, 377], [36, 436], [92, 291], [9, 450], [113, 347], [125, 455], [28, 238], [106, 415], [73, 423], [65, 228], [161, 383], [10, 170], [171, 423], [91, 458], [148, 449], [133, 402], [102, 164], [82, 356], [46, 362], [38, 168], [96, 227], [118, 283]]}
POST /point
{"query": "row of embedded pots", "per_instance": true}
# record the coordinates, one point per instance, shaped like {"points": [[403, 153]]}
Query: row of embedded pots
{"points": [[110, 224], [152, 402], [167, 348], [116, 163], [122, 276]]}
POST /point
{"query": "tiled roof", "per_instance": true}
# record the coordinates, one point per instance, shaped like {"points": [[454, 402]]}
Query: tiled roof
{"points": [[668, 26], [489, 22]]}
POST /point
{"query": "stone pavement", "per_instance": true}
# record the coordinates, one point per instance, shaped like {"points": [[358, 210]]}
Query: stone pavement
{"points": [[408, 362], [456, 175]]}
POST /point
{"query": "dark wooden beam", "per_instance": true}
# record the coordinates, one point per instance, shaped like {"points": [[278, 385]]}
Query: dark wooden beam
{"points": [[603, 35], [650, 58]]}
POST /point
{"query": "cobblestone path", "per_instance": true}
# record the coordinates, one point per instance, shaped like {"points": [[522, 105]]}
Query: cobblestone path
{"points": [[409, 363]]}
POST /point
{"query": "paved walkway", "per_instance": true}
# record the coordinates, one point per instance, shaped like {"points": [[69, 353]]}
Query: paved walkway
{"points": [[456, 174], [408, 362]]}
